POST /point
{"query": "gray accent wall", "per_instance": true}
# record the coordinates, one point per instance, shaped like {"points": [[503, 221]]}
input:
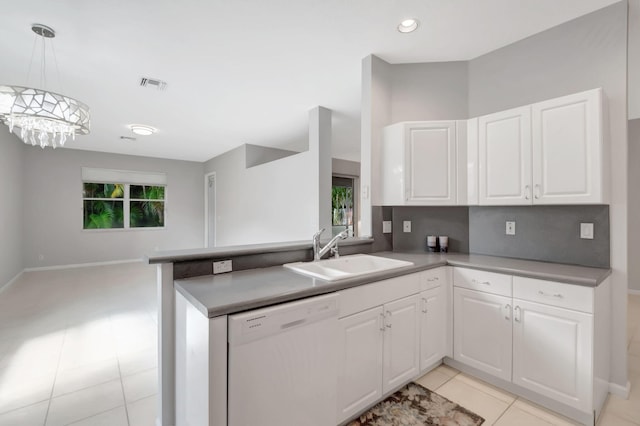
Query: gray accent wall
{"points": [[634, 204], [53, 209], [12, 189], [429, 91], [546, 233], [450, 221]]}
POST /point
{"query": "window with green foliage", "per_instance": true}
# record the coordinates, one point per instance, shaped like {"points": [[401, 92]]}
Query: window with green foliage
{"points": [[123, 206]]}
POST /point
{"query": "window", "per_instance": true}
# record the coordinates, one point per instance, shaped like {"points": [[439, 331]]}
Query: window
{"points": [[118, 205], [137, 202]]}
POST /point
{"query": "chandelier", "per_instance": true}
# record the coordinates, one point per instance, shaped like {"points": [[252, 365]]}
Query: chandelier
{"points": [[44, 118]]}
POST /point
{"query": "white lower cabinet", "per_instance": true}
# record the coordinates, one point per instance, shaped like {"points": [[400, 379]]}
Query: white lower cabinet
{"points": [[380, 351], [360, 361], [401, 342], [543, 336], [482, 331], [552, 352], [433, 326]]}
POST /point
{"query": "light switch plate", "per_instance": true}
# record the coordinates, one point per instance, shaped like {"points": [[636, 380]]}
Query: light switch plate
{"points": [[386, 226], [586, 231], [221, 267], [510, 228], [406, 226]]}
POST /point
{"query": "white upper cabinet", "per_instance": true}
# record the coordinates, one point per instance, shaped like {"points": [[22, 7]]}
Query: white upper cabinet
{"points": [[551, 152], [568, 150], [419, 163], [504, 151]]}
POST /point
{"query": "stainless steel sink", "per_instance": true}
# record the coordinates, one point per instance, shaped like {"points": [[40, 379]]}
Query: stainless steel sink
{"points": [[346, 267]]}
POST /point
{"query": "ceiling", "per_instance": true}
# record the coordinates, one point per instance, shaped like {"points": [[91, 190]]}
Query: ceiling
{"points": [[246, 71]]}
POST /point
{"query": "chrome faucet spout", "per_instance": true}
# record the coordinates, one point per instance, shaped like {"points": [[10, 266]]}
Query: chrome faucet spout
{"points": [[332, 245]]}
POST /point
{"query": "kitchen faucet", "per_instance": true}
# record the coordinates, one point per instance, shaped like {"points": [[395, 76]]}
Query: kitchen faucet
{"points": [[331, 245]]}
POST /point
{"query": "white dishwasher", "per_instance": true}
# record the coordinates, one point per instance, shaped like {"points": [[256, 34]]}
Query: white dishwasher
{"points": [[283, 364]]}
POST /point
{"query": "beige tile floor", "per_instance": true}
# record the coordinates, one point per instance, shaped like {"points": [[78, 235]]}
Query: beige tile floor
{"points": [[78, 347]]}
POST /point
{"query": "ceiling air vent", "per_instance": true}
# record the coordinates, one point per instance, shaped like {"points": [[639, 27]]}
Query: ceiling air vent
{"points": [[153, 83]]}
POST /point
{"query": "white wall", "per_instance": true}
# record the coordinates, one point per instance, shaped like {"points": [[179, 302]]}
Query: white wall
{"points": [[634, 204], [11, 208], [53, 209], [276, 201], [634, 59], [582, 54]]}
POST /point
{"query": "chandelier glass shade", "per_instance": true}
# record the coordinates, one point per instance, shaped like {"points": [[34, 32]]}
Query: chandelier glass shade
{"points": [[44, 118]]}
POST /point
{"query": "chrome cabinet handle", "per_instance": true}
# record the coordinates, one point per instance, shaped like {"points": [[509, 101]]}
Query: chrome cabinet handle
{"points": [[537, 191], [424, 305], [556, 295], [517, 312], [388, 325], [382, 320], [527, 192], [507, 309], [474, 281]]}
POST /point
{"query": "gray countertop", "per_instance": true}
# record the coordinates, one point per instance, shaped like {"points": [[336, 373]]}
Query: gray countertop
{"points": [[223, 294]]}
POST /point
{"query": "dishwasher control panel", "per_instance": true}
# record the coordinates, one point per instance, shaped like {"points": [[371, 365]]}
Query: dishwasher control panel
{"points": [[264, 322]]}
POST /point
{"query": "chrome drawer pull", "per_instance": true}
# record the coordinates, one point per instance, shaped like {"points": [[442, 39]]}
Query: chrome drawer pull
{"points": [[388, 325], [558, 295], [424, 305], [508, 314], [474, 281], [517, 313], [383, 318]]}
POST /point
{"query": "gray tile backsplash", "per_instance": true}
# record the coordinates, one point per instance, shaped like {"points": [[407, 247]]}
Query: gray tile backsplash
{"points": [[545, 233], [450, 221]]}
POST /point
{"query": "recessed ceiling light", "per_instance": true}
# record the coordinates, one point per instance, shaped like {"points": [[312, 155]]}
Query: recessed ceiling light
{"points": [[142, 130], [408, 25]]}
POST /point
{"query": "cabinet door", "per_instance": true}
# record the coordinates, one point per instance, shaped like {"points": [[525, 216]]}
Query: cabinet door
{"points": [[568, 149], [430, 158], [433, 326], [482, 331], [505, 157], [360, 362], [401, 342], [552, 352]]}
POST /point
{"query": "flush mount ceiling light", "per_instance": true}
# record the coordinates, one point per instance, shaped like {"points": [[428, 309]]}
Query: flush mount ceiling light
{"points": [[142, 130], [43, 117], [408, 25]]}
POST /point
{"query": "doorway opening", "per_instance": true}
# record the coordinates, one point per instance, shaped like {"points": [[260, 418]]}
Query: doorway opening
{"points": [[343, 204]]}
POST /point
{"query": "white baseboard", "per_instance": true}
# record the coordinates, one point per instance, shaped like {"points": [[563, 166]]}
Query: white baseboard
{"points": [[11, 281], [81, 265], [634, 292], [621, 391]]}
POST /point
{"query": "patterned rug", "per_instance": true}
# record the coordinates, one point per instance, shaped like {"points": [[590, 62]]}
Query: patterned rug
{"points": [[414, 405]]}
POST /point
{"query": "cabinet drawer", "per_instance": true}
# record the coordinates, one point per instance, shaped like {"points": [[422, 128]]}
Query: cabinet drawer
{"points": [[367, 296], [489, 282], [552, 293], [433, 278]]}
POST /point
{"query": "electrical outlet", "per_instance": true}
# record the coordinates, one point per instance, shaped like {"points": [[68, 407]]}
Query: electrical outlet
{"points": [[586, 231], [221, 267], [406, 226], [510, 228], [386, 226]]}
